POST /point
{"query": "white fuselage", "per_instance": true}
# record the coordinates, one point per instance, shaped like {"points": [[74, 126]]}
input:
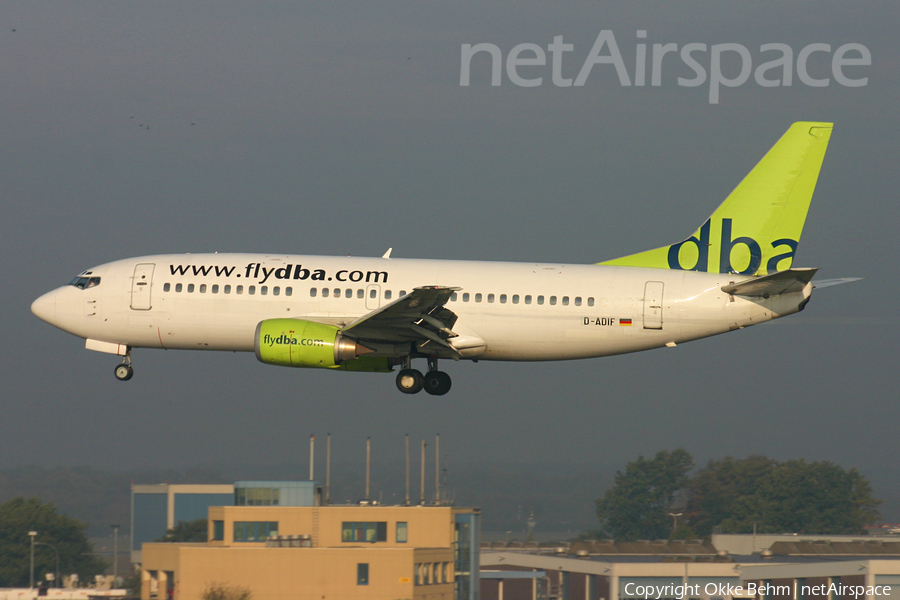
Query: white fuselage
{"points": [[522, 311]]}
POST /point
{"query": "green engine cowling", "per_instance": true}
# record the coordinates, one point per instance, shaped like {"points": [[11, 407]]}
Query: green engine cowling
{"points": [[298, 343]]}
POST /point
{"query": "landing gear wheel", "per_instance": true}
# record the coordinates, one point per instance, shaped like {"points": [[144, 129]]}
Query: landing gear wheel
{"points": [[409, 381], [436, 383], [124, 372]]}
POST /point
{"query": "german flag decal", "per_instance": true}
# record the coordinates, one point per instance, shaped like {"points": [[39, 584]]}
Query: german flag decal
{"points": [[625, 322]]}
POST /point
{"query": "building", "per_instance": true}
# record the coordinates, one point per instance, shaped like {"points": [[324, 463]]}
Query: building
{"points": [[315, 552], [784, 567], [158, 507]]}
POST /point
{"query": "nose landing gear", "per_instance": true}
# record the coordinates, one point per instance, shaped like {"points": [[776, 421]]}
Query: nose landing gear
{"points": [[124, 372], [411, 381]]}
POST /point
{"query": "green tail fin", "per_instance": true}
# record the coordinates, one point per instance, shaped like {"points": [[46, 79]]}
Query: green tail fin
{"points": [[756, 229]]}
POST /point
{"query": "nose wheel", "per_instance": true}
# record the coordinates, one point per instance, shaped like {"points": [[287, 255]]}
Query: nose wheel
{"points": [[411, 381], [124, 372]]}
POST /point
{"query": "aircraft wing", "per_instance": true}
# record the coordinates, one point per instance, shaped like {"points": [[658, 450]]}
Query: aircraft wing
{"points": [[782, 282], [416, 317]]}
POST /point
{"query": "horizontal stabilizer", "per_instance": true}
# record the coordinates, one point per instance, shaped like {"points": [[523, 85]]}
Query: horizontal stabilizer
{"points": [[830, 282], [782, 282]]}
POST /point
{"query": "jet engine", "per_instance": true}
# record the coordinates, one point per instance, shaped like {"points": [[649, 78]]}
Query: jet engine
{"points": [[299, 343]]}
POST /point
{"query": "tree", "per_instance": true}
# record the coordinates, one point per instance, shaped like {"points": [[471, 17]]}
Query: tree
{"points": [[713, 491], [187, 531], [797, 496], [638, 503], [19, 516]]}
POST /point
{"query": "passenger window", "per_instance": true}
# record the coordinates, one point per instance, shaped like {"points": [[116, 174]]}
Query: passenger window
{"points": [[337, 292], [177, 287], [167, 287], [325, 292], [402, 293], [348, 293], [251, 289], [288, 291], [263, 290], [466, 297], [478, 297], [227, 289], [239, 289], [565, 300], [373, 294], [387, 294], [202, 288], [312, 292], [540, 299], [502, 298], [215, 289], [276, 291], [552, 300], [577, 300], [360, 294], [515, 298], [590, 301], [190, 288], [453, 297], [527, 299], [490, 297]]}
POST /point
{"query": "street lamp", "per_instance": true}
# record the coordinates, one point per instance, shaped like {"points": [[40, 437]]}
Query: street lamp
{"points": [[116, 552], [57, 559], [32, 534], [675, 520]]}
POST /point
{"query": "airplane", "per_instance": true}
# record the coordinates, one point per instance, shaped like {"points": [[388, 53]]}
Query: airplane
{"points": [[373, 314]]}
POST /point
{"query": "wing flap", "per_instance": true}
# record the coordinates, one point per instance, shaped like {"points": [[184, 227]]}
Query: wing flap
{"points": [[782, 282], [418, 316]]}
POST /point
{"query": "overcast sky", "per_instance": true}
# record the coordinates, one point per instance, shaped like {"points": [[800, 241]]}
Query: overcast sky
{"points": [[342, 128]]}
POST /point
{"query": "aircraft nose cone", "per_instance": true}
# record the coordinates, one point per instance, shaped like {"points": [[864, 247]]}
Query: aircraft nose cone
{"points": [[44, 308]]}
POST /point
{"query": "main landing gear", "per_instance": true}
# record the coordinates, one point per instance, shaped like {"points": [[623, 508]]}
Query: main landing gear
{"points": [[124, 372], [411, 381]]}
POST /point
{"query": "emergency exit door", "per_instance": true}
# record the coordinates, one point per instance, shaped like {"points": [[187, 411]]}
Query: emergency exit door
{"points": [[653, 303], [141, 285]]}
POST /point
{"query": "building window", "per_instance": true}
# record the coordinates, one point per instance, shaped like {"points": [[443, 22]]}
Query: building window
{"points": [[218, 531], [401, 532], [254, 531], [362, 573], [371, 532]]}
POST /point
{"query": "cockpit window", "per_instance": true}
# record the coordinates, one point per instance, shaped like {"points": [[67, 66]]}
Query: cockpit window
{"points": [[82, 282]]}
